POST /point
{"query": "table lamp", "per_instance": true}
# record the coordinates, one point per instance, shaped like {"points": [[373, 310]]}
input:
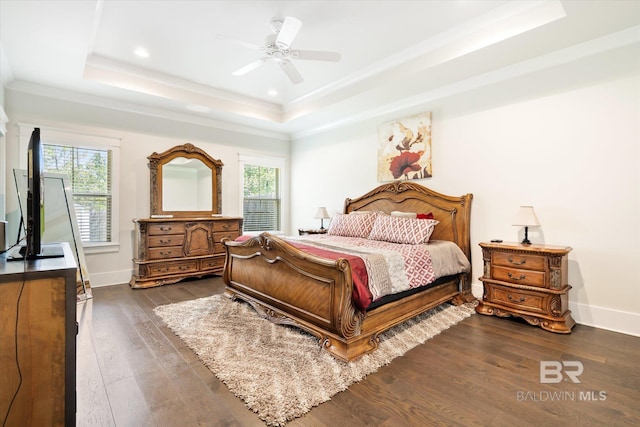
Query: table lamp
{"points": [[322, 214], [526, 218]]}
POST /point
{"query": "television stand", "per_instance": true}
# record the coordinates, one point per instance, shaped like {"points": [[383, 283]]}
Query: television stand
{"points": [[38, 336], [48, 250]]}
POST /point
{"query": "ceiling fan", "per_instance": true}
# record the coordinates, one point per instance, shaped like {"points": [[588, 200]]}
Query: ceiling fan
{"points": [[277, 49]]}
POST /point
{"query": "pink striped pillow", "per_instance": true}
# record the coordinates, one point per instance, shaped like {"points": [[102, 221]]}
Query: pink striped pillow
{"points": [[359, 225], [398, 229]]}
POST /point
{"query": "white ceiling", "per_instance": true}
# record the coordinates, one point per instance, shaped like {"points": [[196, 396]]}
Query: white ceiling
{"points": [[391, 51]]}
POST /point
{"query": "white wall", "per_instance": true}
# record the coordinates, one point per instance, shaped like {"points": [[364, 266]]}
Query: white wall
{"points": [[573, 154], [568, 146], [140, 136]]}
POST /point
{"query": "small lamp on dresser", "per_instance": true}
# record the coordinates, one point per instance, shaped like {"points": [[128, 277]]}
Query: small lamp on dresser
{"points": [[322, 214], [526, 218]]}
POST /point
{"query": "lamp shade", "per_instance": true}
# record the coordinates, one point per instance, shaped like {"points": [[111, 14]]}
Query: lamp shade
{"points": [[526, 217], [322, 213]]}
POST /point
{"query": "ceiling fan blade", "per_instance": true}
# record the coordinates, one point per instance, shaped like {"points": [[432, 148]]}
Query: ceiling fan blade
{"points": [[315, 55], [291, 71], [288, 32], [239, 42], [249, 67]]}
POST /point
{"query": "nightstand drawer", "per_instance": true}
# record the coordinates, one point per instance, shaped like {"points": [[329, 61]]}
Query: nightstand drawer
{"points": [[521, 261], [517, 299], [521, 277]]}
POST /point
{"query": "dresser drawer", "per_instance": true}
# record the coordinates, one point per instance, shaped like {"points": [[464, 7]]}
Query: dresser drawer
{"points": [[225, 226], [215, 263], [520, 261], [521, 277], [166, 240], [528, 301], [175, 267], [218, 247], [166, 228], [166, 252]]}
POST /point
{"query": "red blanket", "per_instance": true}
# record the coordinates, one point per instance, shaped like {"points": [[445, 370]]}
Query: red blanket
{"points": [[362, 297]]}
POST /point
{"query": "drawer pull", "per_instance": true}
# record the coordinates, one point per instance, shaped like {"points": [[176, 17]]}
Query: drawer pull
{"points": [[165, 228], [165, 253], [165, 241], [521, 299], [522, 261], [522, 276]]}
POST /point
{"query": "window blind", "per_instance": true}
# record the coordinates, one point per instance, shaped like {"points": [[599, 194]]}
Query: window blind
{"points": [[90, 173], [261, 203]]}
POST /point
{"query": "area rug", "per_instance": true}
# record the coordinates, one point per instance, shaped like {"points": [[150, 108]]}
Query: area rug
{"points": [[281, 383]]}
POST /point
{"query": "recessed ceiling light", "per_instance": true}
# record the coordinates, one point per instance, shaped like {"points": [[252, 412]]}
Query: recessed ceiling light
{"points": [[272, 92], [141, 52]]}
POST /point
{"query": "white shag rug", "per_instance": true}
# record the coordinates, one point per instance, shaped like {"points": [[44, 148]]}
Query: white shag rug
{"points": [[283, 382]]}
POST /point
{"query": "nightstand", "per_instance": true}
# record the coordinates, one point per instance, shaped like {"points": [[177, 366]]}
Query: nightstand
{"points": [[527, 281], [302, 231]]}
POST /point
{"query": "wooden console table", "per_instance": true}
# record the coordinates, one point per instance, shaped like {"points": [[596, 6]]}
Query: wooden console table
{"points": [[38, 340]]}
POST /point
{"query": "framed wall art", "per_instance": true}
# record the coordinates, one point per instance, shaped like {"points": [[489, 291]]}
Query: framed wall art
{"points": [[404, 148]]}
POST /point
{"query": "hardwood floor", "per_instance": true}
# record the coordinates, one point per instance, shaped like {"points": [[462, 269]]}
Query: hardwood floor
{"points": [[132, 371]]}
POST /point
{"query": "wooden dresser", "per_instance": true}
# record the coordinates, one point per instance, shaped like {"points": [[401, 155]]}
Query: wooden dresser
{"points": [[38, 341], [527, 281], [168, 250]]}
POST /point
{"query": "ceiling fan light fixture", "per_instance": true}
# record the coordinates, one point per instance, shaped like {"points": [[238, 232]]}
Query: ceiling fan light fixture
{"points": [[277, 48]]}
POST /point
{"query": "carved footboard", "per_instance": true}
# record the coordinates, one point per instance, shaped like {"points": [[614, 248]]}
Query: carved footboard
{"points": [[293, 287], [290, 286]]}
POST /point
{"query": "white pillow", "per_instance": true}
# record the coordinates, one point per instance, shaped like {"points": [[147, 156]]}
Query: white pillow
{"points": [[404, 214]]}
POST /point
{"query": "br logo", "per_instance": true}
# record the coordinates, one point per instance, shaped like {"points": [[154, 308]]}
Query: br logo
{"points": [[553, 371]]}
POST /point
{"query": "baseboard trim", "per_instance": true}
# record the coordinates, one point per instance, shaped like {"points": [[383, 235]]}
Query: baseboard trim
{"points": [[589, 315], [606, 318], [110, 278]]}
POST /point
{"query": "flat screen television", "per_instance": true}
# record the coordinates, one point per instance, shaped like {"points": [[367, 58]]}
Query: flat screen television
{"points": [[35, 195], [34, 222]]}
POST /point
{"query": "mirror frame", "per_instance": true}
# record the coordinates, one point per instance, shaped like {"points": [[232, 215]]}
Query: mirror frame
{"points": [[156, 161]]}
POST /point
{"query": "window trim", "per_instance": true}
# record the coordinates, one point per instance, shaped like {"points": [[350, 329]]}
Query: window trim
{"points": [[273, 162], [76, 138]]}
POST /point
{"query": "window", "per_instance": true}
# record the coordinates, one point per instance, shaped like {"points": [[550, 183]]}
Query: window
{"points": [[262, 194], [91, 163], [89, 171]]}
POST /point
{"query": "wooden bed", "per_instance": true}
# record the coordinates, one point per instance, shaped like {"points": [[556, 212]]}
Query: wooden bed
{"points": [[289, 286]]}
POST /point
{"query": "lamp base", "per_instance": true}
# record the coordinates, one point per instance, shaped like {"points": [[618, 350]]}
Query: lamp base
{"points": [[526, 240]]}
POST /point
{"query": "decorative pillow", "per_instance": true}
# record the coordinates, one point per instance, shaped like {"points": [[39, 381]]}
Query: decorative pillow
{"points": [[404, 214], [425, 216], [359, 225], [412, 215], [397, 229]]}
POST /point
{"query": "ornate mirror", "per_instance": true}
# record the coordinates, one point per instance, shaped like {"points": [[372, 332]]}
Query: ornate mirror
{"points": [[185, 182]]}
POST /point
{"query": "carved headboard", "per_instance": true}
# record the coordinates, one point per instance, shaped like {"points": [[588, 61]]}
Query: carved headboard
{"points": [[454, 213]]}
